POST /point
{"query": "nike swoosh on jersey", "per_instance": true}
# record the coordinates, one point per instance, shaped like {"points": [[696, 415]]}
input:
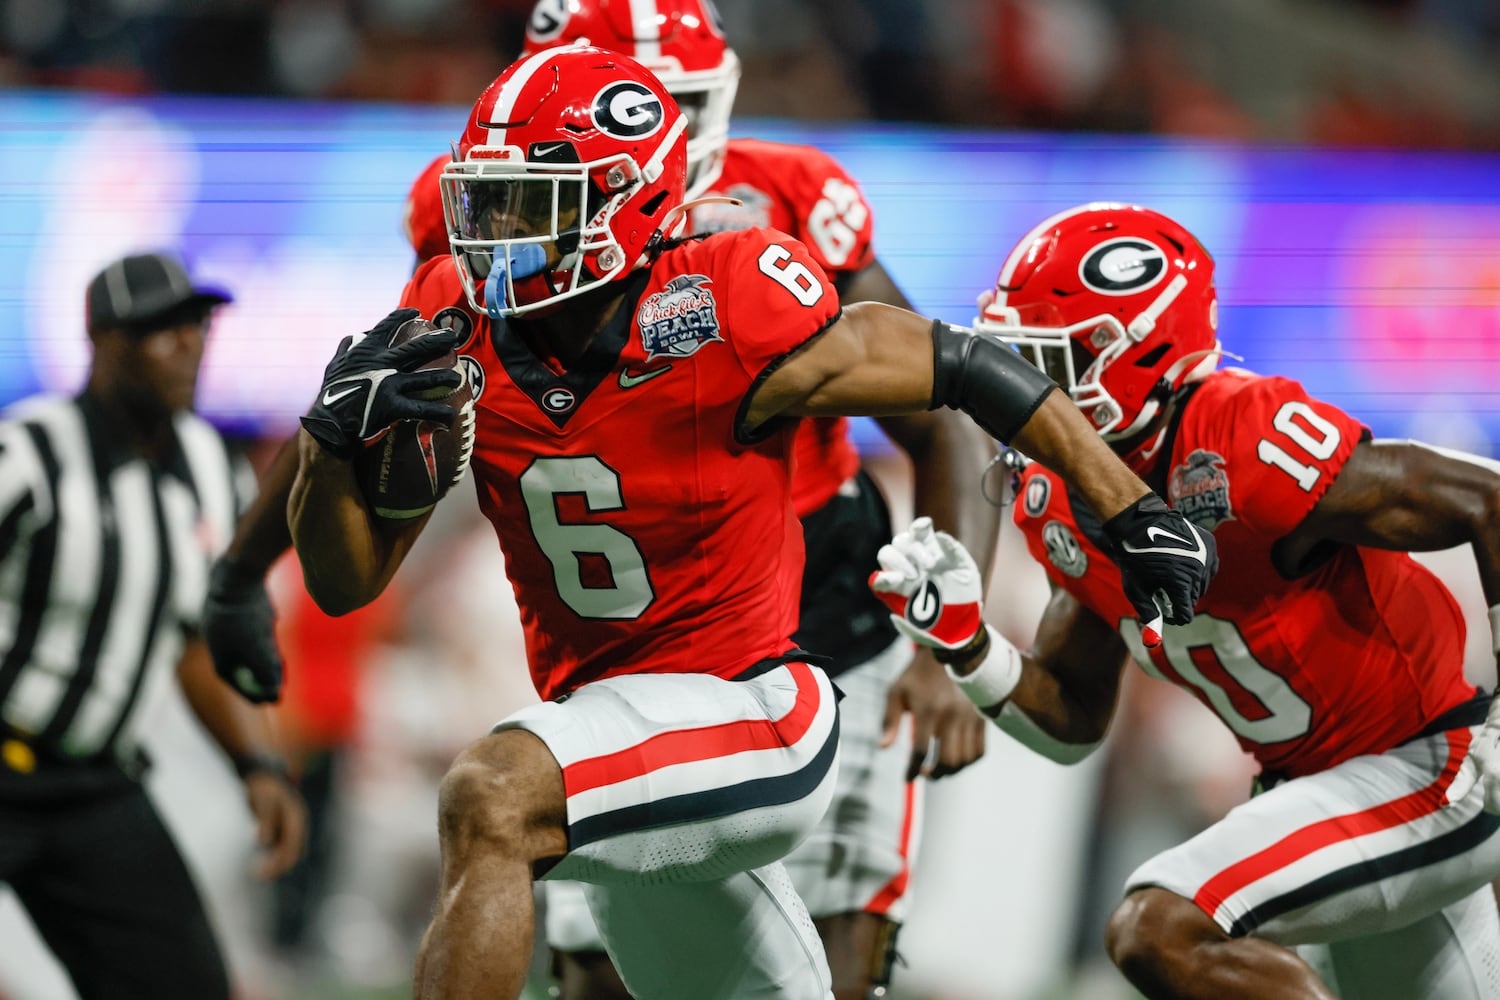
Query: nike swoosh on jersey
{"points": [[1193, 550], [330, 397], [629, 381]]}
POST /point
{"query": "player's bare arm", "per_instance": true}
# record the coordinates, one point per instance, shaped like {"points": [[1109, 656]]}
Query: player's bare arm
{"points": [[1057, 701], [348, 554], [877, 360], [1068, 686], [261, 535], [949, 452], [1404, 496]]}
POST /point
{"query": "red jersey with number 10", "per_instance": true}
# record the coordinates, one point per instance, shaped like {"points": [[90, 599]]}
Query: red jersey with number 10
{"points": [[1354, 656], [641, 534]]}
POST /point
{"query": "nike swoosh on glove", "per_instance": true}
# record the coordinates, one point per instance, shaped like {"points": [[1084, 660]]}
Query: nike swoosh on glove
{"points": [[1166, 563], [369, 385], [931, 584]]}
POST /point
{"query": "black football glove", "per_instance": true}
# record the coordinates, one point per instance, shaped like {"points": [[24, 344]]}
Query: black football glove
{"points": [[1166, 563], [369, 385], [239, 627]]}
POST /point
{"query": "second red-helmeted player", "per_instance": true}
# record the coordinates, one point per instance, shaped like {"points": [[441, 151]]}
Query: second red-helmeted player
{"points": [[1332, 655]]}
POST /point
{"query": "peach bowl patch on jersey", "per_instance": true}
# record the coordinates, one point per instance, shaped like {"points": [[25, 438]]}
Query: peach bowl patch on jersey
{"points": [[678, 320]]}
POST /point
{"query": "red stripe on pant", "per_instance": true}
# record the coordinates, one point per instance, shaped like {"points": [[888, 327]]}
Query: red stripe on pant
{"points": [[1300, 843], [681, 746], [893, 890]]}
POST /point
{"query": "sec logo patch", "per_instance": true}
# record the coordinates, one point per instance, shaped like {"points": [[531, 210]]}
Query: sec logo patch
{"points": [[1063, 550]]}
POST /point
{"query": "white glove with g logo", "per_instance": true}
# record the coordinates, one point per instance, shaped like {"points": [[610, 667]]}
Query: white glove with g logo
{"points": [[932, 586]]}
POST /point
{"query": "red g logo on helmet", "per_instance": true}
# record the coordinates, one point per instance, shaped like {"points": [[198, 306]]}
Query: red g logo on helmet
{"points": [[628, 110]]}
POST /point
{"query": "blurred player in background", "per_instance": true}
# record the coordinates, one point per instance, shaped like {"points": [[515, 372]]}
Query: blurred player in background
{"points": [[853, 871], [1333, 656], [634, 453]]}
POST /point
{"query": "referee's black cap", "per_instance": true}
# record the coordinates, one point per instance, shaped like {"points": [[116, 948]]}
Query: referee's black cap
{"points": [[133, 292]]}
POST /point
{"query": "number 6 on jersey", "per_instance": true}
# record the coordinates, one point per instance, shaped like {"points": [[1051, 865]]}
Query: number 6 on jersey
{"points": [[566, 543]]}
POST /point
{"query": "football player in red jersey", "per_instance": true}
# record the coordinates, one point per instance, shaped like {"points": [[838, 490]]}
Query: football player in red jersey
{"points": [[634, 453], [1333, 656], [853, 871]]}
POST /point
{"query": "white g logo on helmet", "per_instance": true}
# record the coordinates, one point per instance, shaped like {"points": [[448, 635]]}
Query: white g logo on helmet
{"points": [[628, 110], [1123, 266], [547, 20]]}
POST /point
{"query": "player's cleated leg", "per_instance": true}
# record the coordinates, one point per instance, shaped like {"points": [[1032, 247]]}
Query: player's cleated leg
{"points": [[860, 948], [1170, 949], [501, 811]]}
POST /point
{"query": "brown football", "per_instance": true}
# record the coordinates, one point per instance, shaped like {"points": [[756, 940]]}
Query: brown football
{"points": [[408, 469]]}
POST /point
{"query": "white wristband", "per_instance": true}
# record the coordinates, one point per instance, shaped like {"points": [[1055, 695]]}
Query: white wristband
{"points": [[1495, 628], [995, 677], [992, 682]]}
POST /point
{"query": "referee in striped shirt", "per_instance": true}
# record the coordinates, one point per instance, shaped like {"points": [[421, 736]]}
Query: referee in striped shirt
{"points": [[112, 505]]}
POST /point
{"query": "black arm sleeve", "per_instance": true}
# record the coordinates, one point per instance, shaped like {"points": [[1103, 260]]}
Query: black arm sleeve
{"points": [[987, 380]]}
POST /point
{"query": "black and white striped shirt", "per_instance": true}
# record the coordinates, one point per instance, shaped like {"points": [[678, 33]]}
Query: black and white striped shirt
{"points": [[103, 566]]}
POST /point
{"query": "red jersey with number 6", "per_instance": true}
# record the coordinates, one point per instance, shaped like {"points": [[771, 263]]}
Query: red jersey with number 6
{"points": [[643, 531], [1355, 655]]}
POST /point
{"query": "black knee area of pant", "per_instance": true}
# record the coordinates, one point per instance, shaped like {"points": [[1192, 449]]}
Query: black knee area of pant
{"points": [[985, 379]]}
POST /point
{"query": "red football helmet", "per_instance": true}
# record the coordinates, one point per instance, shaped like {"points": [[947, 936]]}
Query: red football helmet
{"points": [[1116, 303], [681, 41], [573, 161]]}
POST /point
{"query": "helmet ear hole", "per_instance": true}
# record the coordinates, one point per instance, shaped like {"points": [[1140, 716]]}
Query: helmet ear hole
{"points": [[653, 203], [1151, 357]]}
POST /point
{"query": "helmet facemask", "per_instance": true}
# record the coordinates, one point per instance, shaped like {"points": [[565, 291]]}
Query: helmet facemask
{"points": [[532, 234], [1075, 356]]}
